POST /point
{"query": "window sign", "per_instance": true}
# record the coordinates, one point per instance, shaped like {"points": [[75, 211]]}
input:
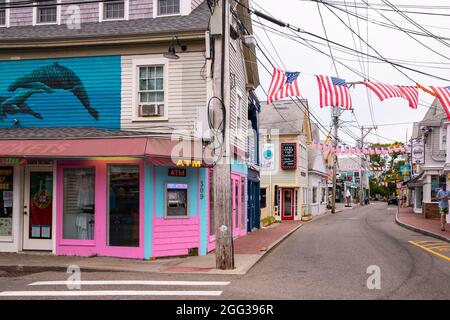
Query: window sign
{"points": [[177, 172], [177, 200], [288, 155], [6, 200]]}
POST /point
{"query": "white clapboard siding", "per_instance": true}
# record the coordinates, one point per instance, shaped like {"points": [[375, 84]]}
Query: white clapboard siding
{"points": [[186, 93]]}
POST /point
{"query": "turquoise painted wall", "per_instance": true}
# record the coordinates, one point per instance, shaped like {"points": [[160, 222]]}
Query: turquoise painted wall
{"points": [[239, 167], [155, 179], [61, 92]]}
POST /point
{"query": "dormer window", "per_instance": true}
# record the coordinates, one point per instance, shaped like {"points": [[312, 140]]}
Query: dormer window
{"points": [[168, 7], [113, 10], [46, 12]]}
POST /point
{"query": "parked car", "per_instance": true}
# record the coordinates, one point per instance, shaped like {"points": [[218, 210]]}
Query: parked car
{"points": [[393, 200]]}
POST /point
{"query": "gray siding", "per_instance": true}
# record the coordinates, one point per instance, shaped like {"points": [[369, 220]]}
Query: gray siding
{"points": [[89, 12], [140, 9], [20, 16]]}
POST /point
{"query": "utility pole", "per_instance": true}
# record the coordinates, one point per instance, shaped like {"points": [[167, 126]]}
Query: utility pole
{"points": [[222, 170], [335, 115], [363, 162]]}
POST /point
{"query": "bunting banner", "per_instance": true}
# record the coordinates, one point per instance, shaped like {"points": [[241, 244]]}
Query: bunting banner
{"points": [[358, 151]]}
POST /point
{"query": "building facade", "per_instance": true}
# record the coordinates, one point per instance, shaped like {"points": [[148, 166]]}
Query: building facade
{"points": [[104, 143], [284, 184]]}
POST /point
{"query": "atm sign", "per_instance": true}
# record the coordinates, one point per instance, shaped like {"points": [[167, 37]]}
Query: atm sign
{"points": [[177, 172]]}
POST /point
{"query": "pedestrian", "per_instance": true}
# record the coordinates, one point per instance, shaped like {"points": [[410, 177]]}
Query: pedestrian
{"points": [[443, 195]]}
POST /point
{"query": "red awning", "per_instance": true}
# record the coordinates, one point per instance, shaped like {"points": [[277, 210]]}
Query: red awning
{"points": [[158, 150], [110, 147]]}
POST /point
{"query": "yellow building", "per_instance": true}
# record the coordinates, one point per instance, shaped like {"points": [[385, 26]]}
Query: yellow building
{"points": [[284, 160]]}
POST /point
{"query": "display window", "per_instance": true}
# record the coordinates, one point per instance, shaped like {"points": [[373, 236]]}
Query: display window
{"points": [[177, 199], [6, 201], [79, 203]]}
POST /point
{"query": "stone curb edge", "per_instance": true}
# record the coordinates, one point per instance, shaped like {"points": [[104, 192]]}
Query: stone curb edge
{"points": [[422, 231]]}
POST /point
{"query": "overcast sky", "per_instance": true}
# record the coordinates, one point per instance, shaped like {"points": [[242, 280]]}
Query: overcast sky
{"points": [[392, 44]]}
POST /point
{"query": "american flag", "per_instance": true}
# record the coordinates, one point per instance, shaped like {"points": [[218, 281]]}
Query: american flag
{"points": [[284, 84], [384, 91], [334, 92], [443, 95], [411, 94]]}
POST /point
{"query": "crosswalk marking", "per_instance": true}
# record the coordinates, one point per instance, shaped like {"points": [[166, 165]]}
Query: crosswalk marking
{"points": [[131, 282], [77, 293]]}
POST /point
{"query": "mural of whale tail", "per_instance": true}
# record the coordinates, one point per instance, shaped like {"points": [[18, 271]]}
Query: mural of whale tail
{"points": [[80, 92]]}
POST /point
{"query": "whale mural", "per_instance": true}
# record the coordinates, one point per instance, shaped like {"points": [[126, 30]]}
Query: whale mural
{"points": [[61, 92], [45, 79]]}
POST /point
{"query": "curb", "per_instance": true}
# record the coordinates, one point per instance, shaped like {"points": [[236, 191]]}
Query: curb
{"points": [[273, 246], [422, 231]]}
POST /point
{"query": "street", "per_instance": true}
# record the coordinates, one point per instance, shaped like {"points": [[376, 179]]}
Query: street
{"points": [[327, 258]]}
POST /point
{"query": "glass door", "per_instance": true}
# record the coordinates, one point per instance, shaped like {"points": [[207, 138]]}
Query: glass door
{"points": [[123, 207], [288, 203], [38, 208], [236, 209]]}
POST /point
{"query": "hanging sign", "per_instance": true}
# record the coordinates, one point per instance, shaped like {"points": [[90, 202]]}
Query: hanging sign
{"points": [[418, 151], [267, 159], [288, 155]]}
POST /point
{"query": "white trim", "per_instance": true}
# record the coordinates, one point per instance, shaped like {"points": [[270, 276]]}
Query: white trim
{"points": [[96, 293], [155, 60], [7, 10], [185, 9], [58, 15], [126, 11], [130, 282]]}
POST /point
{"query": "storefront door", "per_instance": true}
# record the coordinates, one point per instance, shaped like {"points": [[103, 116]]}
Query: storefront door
{"points": [[236, 206], [38, 208], [287, 210]]}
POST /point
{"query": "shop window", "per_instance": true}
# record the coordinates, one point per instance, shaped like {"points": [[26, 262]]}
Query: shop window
{"points": [[212, 221], [6, 200], [263, 198], [314, 195], [79, 203], [176, 199], [436, 183], [123, 210]]}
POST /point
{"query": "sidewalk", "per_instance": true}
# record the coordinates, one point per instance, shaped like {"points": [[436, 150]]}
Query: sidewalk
{"points": [[248, 250], [416, 222]]}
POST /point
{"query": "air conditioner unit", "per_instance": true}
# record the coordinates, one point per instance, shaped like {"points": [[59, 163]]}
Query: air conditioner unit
{"points": [[149, 110]]}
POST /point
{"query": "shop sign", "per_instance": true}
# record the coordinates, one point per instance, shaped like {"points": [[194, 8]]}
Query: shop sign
{"points": [[405, 170], [177, 172], [267, 159], [189, 163], [418, 151], [12, 161], [288, 155]]}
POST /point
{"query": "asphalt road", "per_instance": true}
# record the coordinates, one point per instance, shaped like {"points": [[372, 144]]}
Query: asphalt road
{"points": [[327, 258]]}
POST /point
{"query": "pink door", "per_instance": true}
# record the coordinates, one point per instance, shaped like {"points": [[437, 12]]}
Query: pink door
{"points": [[236, 206]]}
